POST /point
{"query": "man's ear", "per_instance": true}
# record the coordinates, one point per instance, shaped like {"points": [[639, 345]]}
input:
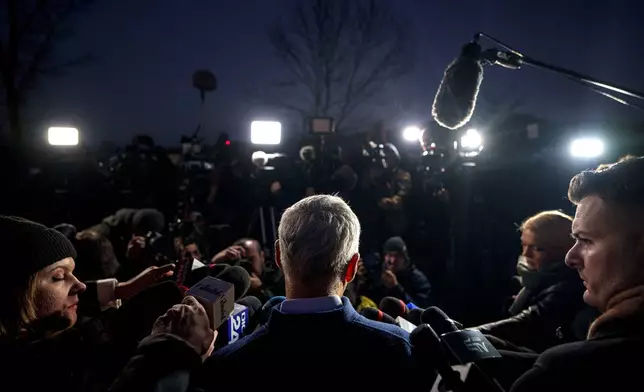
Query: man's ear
{"points": [[278, 261], [352, 268]]}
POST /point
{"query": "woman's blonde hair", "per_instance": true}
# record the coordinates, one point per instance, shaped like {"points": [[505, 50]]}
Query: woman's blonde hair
{"points": [[17, 315], [552, 229]]}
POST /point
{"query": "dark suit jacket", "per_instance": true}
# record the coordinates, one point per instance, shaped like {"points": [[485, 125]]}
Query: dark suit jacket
{"points": [[610, 361], [327, 351]]}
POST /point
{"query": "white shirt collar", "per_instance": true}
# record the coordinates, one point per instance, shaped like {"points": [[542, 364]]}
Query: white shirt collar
{"points": [[311, 305]]}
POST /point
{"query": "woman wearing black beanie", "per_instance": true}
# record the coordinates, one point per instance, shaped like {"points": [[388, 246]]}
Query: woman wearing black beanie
{"points": [[42, 346], [39, 291]]}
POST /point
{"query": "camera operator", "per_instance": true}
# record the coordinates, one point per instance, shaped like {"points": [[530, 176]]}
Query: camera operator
{"points": [[384, 191], [126, 223], [399, 277], [608, 254], [248, 253]]}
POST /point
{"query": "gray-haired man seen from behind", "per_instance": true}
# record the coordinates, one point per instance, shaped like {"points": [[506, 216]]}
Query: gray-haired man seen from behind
{"points": [[315, 340]]}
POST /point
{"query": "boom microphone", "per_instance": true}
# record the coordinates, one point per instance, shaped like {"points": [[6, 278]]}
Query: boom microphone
{"points": [[456, 96]]}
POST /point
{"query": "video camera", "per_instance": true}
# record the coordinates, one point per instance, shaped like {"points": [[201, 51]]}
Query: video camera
{"points": [[162, 248]]}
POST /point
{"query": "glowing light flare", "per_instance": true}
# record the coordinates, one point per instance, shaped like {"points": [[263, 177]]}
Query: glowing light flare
{"points": [[471, 140], [62, 136], [589, 147], [266, 132], [412, 134]]}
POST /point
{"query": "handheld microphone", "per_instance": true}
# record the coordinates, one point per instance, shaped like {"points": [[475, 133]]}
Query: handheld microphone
{"points": [[183, 268], [217, 297], [393, 307], [235, 326], [238, 277], [377, 315], [199, 272], [254, 306], [440, 321], [415, 315], [468, 345], [428, 349], [457, 93]]}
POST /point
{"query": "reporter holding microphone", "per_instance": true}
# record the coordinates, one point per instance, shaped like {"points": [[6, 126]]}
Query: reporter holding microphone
{"points": [[43, 342], [180, 340]]}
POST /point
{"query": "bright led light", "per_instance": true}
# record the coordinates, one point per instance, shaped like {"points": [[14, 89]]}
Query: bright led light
{"points": [[472, 140], [62, 136], [587, 148], [265, 132], [411, 134]]}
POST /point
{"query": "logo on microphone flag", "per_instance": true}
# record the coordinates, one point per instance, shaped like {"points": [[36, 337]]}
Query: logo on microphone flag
{"points": [[238, 321]]}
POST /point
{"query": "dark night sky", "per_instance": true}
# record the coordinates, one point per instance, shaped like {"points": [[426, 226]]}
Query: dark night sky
{"points": [[146, 51]]}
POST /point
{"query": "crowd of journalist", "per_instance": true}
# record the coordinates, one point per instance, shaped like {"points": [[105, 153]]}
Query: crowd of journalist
{"points": [[97, 309]]}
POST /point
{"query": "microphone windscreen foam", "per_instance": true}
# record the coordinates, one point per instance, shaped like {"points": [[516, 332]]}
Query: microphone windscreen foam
{"points": [[393, 307], [440, 322], [255, 316], [456, 96], [238, 277], [414, 316], [377, 315], [252, 303]]}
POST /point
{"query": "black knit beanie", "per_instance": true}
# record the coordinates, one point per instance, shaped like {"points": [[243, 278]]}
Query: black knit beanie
{"points": [[396, 244], [146, 220], [27, 247]]}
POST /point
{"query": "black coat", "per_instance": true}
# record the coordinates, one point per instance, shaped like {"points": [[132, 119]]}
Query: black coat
{"points": [[413, 286], [549, 316], [610, 361], [77, 359]]}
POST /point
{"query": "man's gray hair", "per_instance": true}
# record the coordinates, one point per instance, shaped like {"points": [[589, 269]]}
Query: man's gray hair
{"points": [[317, 237]]}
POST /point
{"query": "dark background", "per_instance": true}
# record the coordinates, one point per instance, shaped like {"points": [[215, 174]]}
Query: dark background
{"points": [[145, 52]]}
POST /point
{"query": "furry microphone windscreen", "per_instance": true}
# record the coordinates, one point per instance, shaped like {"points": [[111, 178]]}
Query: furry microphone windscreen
{"points": [[457, 93]]}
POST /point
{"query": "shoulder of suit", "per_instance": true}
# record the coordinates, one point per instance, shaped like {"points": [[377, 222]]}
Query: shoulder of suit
{"points": [[386, 330], [240, 345]]}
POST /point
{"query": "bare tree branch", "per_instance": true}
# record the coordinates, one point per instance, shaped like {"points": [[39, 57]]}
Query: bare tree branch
{"points": [[26, 46], [339, 55]]}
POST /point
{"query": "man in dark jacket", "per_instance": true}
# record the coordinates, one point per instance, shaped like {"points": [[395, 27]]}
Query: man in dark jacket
{"points": [[548, 309], [315, 336], [609, 257], [126, 223], [400, 278]]}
